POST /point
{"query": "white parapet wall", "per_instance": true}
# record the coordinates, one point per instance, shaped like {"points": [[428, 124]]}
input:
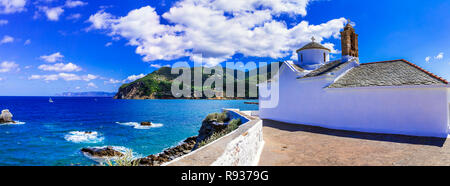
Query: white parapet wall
{"points": [[244, 150], [241, 147]]}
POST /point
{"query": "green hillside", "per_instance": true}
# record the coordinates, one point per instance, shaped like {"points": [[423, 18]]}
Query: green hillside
{"points": [[157, 85]]}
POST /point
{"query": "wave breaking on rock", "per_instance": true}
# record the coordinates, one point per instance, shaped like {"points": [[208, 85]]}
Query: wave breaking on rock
{"points": [[103, 153], [84, 137], [137, 125]]}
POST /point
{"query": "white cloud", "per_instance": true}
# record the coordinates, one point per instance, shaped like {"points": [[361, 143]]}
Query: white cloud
{"points": [[3, 22], [92, 85], [54, 77], [331, 47], [69, 77], [427, 59], [155, 65], [1, 79], [206, 28], [52, 13], [127, 80], [133, 78], [52, 57], [7, 66], [63, 76], [100, 20], [108, 44], [158, 65], [439, 56], [77, 88], [27, 42], [74, 16], [12, 6], [112, 81], [60, 67], [89, 77], [73, 4], [7, 39]]}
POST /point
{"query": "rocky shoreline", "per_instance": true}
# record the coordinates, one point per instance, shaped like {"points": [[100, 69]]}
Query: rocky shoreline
{"points": [[213, 123], [169, 154]]}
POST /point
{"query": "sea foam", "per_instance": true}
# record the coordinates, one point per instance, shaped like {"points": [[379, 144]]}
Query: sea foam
{"points": [[137, 125], [83, 137], [15, 123]]}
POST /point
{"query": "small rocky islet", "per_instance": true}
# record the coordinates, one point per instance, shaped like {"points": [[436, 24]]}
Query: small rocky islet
{"points": [[102, 152], [146, 123], [6, 117]]}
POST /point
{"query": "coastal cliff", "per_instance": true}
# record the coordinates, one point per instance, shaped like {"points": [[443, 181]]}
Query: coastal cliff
{"points": [[157, 85]]}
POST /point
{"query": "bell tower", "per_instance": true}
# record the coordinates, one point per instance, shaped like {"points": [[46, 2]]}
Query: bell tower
{"points": [[349, 42]]}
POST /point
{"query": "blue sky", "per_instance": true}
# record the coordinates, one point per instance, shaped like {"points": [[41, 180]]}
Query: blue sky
{"points": [[54, 46]]}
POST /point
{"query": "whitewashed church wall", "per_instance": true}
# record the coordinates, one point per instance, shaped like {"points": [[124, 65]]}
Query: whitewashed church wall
{"points": [[409, 111], [313, 56]]}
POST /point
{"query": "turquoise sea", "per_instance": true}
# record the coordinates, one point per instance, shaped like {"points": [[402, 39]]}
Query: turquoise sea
{"points": [[53, 133]]}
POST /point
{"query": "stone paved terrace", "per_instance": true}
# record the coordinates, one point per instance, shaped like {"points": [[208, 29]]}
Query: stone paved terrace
{"points": [[299, 145]]}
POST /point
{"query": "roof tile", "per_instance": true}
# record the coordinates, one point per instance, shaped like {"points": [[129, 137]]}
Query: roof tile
{"points": [[387, 73]]}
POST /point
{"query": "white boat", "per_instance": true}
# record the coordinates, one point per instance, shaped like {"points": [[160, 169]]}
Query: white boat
{"points": [[50, 100]]}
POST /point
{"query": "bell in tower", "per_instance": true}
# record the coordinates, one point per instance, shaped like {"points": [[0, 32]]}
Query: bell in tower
{"points": [[349, 42]]}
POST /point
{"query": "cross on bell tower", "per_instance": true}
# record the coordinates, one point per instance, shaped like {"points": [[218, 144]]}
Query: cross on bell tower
{"points": [[313, 39]]}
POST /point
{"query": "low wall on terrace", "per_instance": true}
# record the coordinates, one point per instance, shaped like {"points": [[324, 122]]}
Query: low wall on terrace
{"points": [[241, 147]]}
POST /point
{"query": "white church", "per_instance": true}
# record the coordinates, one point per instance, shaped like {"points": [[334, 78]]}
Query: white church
{"points": [[392, 97]]}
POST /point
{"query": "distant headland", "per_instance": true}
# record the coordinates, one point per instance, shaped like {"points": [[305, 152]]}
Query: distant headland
{"points": [[87, 94]]}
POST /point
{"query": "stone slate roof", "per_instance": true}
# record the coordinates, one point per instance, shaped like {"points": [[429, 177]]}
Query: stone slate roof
{"points": [[313, 45], [387, 73], [327, 68]]}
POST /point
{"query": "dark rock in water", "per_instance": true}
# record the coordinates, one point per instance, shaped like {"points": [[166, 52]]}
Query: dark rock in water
{"points": [[102, 152], [169, 154], [146, 123]]}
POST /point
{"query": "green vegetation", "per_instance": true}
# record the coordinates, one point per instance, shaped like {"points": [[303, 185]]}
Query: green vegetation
{"points": [[233, 125], [157, 83], [125, 160], [217, 117]]}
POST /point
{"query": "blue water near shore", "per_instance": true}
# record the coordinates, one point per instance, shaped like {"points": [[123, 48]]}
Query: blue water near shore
{"points": [[52, 133]]}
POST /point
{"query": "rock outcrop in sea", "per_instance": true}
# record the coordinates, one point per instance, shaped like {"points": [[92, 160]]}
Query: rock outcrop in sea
{"points": [[146, 123], [102, 152], [169, 154], [6, 117]]}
